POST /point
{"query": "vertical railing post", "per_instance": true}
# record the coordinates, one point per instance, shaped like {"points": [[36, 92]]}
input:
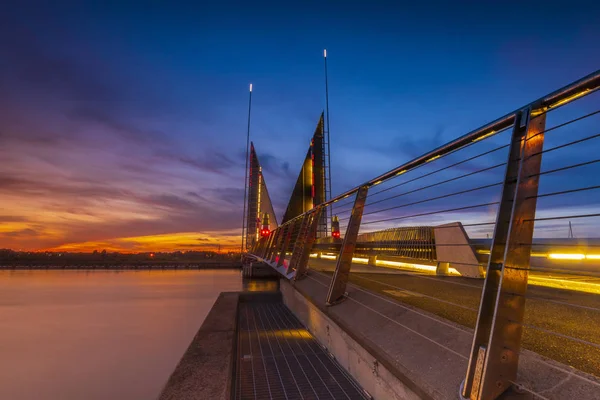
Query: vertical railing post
{"points": [[302, 251], [286, 242], [337, 288], [306, 220], [274, 244], [268, 244], [279, 244], [497, 340]]}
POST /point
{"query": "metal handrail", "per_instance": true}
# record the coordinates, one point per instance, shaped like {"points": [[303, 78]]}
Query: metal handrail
{"points": [[558, 98]]}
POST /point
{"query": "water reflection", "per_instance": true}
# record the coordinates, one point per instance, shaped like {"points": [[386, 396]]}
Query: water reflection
{"points": [[260, 285], [100, 334]]}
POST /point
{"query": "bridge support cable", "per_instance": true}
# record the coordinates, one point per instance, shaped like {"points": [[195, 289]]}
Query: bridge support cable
{"points": [[339, 281], [493, 361]]}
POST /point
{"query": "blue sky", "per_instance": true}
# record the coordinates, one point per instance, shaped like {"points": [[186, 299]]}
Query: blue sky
{"points": [[128, 120]]}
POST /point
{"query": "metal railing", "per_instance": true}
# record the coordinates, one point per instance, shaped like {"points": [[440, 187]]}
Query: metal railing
{"points": [[507, 185]]}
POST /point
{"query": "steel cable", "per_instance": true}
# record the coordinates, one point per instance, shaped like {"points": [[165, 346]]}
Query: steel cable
{"points": [[441, 169], [437, 183], [435, 198], [563, 124], [433, 212]]}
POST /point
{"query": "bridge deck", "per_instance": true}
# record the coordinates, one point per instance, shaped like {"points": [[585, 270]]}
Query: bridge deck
{"points": [[277, 358], [566, 312]]}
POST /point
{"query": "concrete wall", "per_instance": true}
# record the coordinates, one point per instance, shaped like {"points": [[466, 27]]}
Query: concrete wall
{"points": [[205, 371], [374, 377], [453, 249]]}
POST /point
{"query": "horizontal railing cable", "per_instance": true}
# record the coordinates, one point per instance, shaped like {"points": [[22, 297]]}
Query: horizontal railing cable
{"points": [[561, 244], [561, 271], [433, 212], [441, 227], [583, 164], [438, 183], [585, 139], [435, 198], [583, 189], [563, 217], [440, 169], [564, 124]]}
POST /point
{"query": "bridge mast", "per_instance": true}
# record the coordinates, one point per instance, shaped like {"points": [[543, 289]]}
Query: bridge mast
{"points": [[244, 222], [328, 156]]}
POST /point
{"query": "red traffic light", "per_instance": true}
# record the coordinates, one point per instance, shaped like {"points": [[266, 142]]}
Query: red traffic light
{"points": [[335, 234], [264, 232]]}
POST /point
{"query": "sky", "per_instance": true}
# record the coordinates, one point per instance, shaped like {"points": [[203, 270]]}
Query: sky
{"points": [[123, 124]]}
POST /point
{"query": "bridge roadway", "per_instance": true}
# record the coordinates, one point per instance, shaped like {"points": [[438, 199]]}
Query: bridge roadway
{"points": [[552, 315]]}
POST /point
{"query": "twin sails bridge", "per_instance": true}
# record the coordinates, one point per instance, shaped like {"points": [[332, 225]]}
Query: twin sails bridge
{"points": [[470, 272]]}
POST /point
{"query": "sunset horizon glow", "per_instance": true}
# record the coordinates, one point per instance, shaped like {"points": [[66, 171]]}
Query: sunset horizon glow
{"points": [[125, 130]]}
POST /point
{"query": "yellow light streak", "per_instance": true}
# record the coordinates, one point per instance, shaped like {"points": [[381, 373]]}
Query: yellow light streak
{"points": [[401, 172], [592, 256], [570, 98], [377, 183], [421, 267], [587, 287], [561, 256], [360, 260], [433, 158], [327, 256], [487, 135]]}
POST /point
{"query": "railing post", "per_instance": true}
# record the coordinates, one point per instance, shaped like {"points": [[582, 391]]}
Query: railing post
{"points": [[306, 220], [280, 240], [286, 242], [274, 244], [497, 340], [257, 250], [268, 245], [303, 247], [337, 288]]}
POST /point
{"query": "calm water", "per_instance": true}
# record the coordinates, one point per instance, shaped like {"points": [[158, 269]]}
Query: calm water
{"points": [[99, 334]]}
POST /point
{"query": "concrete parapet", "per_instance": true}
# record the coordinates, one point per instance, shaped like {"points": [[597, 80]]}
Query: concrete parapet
{"points": [[205, 370], [452, 247]]}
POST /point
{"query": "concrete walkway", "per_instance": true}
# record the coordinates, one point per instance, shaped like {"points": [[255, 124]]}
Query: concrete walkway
{"points": [[429, 352]]}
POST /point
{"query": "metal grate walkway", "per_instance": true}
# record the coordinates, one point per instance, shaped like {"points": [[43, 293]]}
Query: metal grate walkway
{"points": [[279, 359]]}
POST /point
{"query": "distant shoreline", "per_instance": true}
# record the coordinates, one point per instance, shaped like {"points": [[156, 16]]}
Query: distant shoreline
{"points": [[232, 265]]}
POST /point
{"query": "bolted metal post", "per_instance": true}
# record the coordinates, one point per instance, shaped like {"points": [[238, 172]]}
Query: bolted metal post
{"points": [[497, 340], [337, 288], [311, 228]]}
